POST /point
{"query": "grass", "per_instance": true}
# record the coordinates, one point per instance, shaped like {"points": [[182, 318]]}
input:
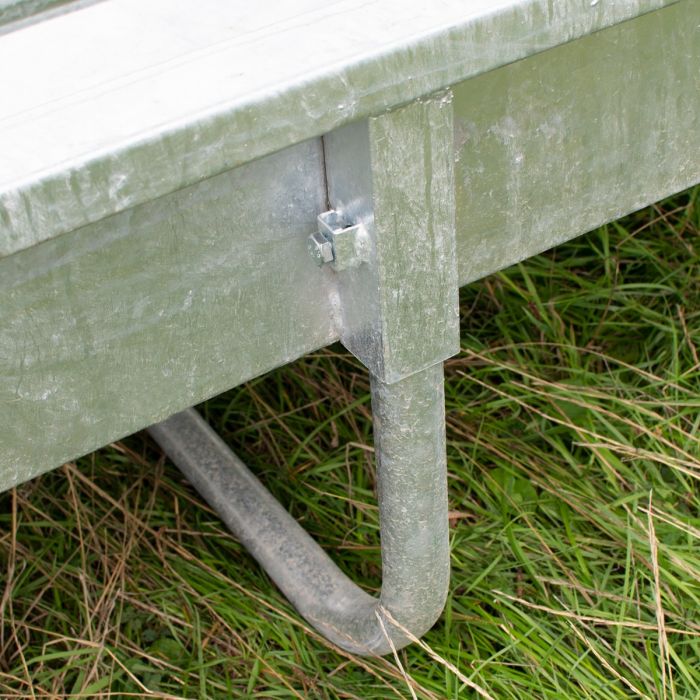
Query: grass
{"points": [[574, 455]]}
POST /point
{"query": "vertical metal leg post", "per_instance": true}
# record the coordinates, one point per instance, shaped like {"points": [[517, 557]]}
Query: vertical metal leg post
{"points": [[388, 245], [411, 483]]}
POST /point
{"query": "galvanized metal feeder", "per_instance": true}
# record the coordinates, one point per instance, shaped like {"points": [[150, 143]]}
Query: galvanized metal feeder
{"points": [[193, 194]]}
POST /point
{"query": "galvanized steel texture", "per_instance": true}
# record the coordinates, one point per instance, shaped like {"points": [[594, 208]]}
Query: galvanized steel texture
{"points": [[128, 320], [125, 100], [572, 138], [409, 427], [394, 174], [122, 322], [159, 182]]}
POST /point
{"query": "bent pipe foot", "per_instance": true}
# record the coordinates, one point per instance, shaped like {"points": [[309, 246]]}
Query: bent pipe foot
{"points": [[409, 434]]}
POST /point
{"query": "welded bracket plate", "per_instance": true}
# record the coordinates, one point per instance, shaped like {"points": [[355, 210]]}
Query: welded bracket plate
{"points": [[394, 175]]}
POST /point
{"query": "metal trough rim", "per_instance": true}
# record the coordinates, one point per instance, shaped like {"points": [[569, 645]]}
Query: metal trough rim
{"points": [[198, 112]]}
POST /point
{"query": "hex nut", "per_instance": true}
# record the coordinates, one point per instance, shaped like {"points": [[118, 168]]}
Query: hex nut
{"points": [[320, 248]]}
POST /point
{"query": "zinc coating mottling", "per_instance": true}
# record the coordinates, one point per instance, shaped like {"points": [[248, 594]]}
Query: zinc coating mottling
{"points": [[128, 320], [394, 175], [180, 276], [561, 143]]}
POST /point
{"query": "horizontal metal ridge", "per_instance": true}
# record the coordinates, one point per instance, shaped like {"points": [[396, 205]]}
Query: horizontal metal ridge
{"points": [[123, 101]]}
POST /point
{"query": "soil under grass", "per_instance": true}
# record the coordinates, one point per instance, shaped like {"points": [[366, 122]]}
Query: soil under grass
{"points": [[574, 458]]}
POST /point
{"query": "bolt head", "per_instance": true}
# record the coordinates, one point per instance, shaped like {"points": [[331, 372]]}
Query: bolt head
{"points": [[320, 248]]}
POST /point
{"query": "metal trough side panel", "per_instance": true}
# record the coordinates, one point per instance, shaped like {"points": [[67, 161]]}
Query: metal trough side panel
{"points": [[562, 142], [123, 322], [124, 101], [117, 324]]}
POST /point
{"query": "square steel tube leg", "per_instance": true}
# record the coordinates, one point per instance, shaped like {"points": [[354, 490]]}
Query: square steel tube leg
{"points": [[394, 174]]}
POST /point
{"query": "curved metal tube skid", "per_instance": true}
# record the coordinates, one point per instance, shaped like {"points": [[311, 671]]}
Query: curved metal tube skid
{"points": [[409, 430]]}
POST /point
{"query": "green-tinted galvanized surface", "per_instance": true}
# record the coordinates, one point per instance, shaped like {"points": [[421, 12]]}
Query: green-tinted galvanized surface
{"points": [[126, 321], [409, 434], [19, 11], [116, 325], [394, 173], [560, 143], [127, 100]]}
